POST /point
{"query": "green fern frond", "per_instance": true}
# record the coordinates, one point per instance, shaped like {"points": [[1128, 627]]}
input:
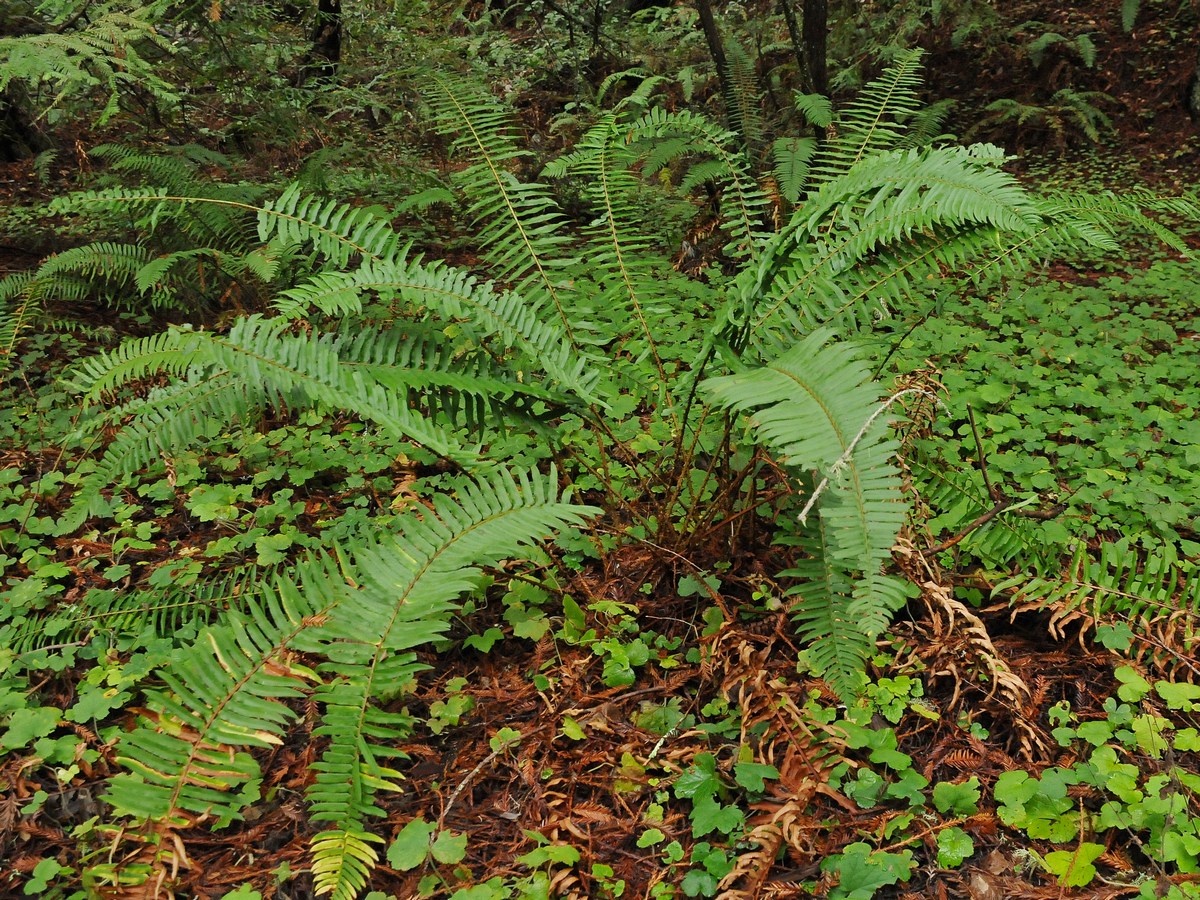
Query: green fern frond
{"points": [[792, 157], [118, 263], [864, 239], [957, 497], [818, 407], [486, 313], [158, 203], [838, 617], [103, 54], [19, 307], [632, 278], [1107, 213], [335, 229], [226, 694], [72, 276], [817, 109], [522, 232], [234, 378], [838, 646], [1154, 592], [174, 167], [342, 861], [136, 611], [875, 119], [745, 113], [744, 205], [925, 126]]}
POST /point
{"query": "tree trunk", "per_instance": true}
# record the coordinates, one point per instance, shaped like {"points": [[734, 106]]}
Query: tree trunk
{"points": [[716, 48], [789, 16], [326, 51], [816, 31]]}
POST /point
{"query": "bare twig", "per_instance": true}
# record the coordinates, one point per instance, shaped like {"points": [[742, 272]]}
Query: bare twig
{"points": [[840, 462]]}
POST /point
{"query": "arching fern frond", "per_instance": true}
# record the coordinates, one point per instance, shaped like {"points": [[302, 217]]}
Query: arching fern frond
{"points": [[522, 231], [409, 587], [663, 136], [134, 611], [337, 230], [191, 755], [817, 406], [633, 279], [103, 54], [486, 313], [745, 112], [19, 307], [1154, 593], [875, 119], [234, 378], [864, 239]]}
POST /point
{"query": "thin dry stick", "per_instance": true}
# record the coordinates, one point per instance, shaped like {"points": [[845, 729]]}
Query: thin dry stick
{"points": [[841, 461]]}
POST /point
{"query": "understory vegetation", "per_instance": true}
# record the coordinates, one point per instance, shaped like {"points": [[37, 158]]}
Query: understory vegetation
{"points": [[521, 458]]}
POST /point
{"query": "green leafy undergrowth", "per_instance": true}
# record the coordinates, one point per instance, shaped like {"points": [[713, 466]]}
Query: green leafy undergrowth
{"points": [[1083, 395], [1134, 785]]}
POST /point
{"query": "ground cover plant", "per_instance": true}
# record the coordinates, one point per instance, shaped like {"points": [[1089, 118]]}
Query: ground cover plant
{"points": [[656, 534]]}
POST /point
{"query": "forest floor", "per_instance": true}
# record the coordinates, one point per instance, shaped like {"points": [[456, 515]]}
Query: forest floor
{"points": [[596, 782]]}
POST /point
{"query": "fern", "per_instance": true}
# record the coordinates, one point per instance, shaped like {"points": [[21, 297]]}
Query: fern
{"points": [[1154, 593], [818, 407], [957, 499], [334, 229], [485, 311], [632, 279], [669, 135], [197, 249], [100, 270], [875, 119], [103, 54], [129, 612], [864, 239], [234, 378], [191, 756], [745, 114], [520, 225], [19, 306], [792, 157]]}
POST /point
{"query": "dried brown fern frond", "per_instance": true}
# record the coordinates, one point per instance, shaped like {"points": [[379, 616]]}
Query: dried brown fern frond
{"points": [[1153, 593], [956, 645], [749, 670]]}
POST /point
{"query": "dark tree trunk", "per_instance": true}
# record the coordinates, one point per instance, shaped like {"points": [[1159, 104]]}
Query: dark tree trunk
{"points": [[793, 27], [326, 51], [816, 31], [716, 47]]}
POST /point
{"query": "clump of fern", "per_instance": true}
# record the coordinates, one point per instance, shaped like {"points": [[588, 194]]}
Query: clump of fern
{"points": [[164, 256], [678, 409]]}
